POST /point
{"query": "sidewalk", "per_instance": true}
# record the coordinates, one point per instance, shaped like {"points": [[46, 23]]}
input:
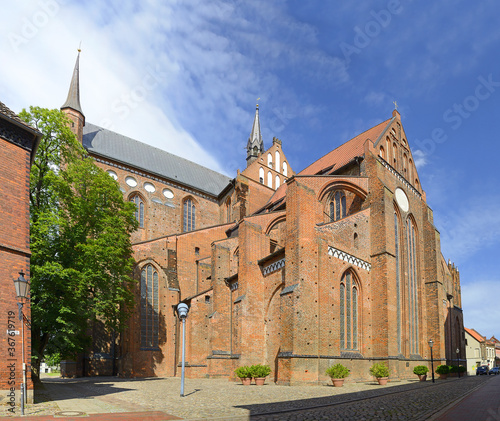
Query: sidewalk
{"points": [[110, 398]]}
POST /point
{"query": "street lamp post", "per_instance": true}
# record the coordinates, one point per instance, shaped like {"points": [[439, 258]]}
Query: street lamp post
{"points": [[22, 288], [182, 311], [431, 343], [458, 361]]}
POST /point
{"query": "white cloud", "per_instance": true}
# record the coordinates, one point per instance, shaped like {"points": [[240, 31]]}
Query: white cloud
{"points": [[471, 227], [481, 310], [420, 158]]}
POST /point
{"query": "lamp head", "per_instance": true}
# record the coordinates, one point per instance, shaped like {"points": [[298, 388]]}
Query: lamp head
{"points": [[182, 310], [431, 342], [22, 286]]}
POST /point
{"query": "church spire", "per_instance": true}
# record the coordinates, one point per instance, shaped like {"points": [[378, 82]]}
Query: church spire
{"points": [[255, 145], [72, 106], [73, 100]]}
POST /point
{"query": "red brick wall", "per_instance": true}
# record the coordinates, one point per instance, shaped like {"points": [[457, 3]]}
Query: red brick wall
{"points": [[14, 255], [163, 216]]}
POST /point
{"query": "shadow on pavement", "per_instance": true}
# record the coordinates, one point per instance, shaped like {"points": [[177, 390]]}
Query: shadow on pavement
{"points": [[58, 389]]}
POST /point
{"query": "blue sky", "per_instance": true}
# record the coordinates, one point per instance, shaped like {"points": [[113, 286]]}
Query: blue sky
{"points": [[185, 75]]}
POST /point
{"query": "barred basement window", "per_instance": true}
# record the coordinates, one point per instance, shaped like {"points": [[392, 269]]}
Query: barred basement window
{"points": [[139, 209], [189, 216], [338, 206], [149, 308], [349, 298]]}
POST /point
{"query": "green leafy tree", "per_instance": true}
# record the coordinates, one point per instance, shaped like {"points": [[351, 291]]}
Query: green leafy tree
{"points": [[80, 241]]}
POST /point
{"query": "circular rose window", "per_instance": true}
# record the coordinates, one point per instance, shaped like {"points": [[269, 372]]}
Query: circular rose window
{"points": [[402, 200], [131, 181], [149, 187], [169, 194]]}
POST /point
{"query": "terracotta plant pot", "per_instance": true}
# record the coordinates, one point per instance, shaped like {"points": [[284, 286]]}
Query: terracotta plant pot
{"points": [[246, 381], [443, 376], [382, 380], [422, 377], [259, 381], [338, 382]]}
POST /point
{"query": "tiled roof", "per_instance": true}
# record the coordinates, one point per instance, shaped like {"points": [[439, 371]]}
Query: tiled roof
{"points": [[475, 334], [116, 147], [346, 152], [7, 112]]}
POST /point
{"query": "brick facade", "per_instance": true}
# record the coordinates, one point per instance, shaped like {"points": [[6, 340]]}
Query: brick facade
{"points": [[266, 287], [340, 262], [17, 145]]}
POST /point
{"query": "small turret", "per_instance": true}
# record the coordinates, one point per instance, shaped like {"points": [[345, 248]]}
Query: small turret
{"points": [[72, 106], [255, 145]]}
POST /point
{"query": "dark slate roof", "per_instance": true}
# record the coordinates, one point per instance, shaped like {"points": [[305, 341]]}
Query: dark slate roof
{"points": [[7, 112], [116, 147]]}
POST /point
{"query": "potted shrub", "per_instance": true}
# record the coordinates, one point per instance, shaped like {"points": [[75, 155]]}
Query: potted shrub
{"points": [[381, 372], [259, 372], [244, 374], [337, 373], [443, 371], [421, 372]]}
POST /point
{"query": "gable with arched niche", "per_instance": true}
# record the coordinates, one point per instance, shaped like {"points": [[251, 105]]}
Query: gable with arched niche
{"points": [[276, 230], [339, 199]]}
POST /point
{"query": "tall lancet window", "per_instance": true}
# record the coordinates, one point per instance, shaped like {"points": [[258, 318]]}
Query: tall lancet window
{"points": [[412, 285], [338, 206], [139, 209], [149, 307], [398, 277], [189, 222], [349, 297]]}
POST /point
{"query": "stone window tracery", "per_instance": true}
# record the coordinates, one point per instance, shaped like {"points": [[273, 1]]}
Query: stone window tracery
{"points": [[349, 298], [338, 206], [149, 307], [139, 209], [189, 220]]}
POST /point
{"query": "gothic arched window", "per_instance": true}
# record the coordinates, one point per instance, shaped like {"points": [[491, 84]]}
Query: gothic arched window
{"points": [[189, 220], [150, 307], [261, 175], [139, 209], [411, 237], [269, 179], [349, 299], [228, 209], [338, 206]]}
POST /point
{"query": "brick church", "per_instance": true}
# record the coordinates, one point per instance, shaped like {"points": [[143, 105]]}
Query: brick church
{"points": [[338, 262]]}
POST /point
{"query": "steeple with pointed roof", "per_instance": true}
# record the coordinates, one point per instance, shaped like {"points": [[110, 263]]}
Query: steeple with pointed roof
{"points": [[72, 106], [255, 145]]}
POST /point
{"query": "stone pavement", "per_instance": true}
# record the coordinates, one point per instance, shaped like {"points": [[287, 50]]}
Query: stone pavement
{"points": [[109, 398]]}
